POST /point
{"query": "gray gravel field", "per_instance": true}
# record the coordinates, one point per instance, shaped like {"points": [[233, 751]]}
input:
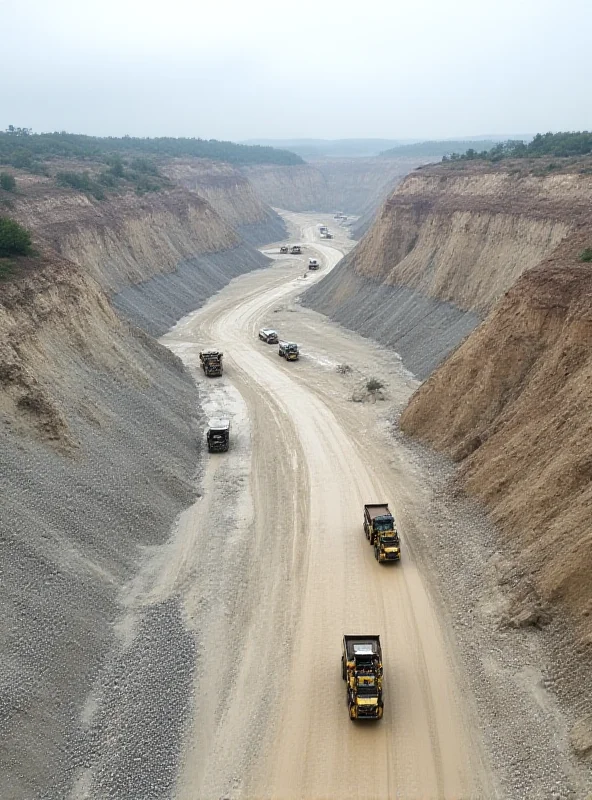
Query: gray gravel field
{"points": [[422, 330], [72, 531], [273, 229], [155, 305]]}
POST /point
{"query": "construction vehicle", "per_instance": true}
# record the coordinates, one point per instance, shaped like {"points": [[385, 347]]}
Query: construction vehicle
{"points": [[313, 263], [211, 362], [296, 250], [218, 435], [284, 248], [289, 351], [361, 668], [268, 335], [381, 532], [326, 235], [323, 229]]}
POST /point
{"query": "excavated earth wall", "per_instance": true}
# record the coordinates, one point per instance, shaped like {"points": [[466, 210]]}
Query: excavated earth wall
{"points": [[100, 446], [446, 244], [355, 186], [512, 407], [231, 195]]}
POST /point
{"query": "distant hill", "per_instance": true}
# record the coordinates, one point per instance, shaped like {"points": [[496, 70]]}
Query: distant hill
{"points": [[439, 148], [25, 150], [331, 148], [564, 144]]}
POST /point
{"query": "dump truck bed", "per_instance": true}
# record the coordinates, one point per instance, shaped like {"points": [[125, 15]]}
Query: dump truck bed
{"points": [[352, 643], [376, 509], [217, 424]]}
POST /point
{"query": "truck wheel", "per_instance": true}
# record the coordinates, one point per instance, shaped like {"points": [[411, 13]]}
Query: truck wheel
{"points": [[380, 710], [376, 554], [342, 668], [352, 712]]}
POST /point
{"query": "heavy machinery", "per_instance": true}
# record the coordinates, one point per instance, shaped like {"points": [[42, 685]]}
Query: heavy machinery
{"points": [[218, 435], [284, 248], [326, 235], [381, 531], [313, 263], [269, 335], [289, 351], [361, 668], [295, 250], [211, 362]]}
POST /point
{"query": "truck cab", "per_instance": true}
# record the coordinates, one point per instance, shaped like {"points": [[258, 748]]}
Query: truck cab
{"points": [[288, 350], [218, 435], [296, 250], [361, 669], [381, 531], [284, 248]]}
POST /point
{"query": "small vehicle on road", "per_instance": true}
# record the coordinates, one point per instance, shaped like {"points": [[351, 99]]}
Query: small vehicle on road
{"points": [[288, 350], [326, 235], [381, 532], [211, 362], [269, 335], [361, 668], [296, 250], [284, 248], [218, 435], [313, 263]]}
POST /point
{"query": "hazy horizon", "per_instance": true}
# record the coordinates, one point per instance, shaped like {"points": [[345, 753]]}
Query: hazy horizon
{"points": [[238, 72]]}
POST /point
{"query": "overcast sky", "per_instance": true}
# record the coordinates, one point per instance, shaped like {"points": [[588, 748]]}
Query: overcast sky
{"points": [[236, 69]]}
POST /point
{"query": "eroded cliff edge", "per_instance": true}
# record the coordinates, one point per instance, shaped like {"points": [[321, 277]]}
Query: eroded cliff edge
{"points": [[512, 407]]}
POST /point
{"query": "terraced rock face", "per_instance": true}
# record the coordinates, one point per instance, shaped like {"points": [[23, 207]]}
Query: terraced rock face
{"points": [[355, 186], [511, 405], [446, 244], [231, 195]]}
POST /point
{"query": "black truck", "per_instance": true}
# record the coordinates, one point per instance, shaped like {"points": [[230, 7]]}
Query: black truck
{"points": [[218, 435]]}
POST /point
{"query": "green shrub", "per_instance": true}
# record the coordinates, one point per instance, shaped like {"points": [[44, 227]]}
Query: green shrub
{"points": [[82, 182], [7, 182], [14, 239], [374, 385], [107, 179], [145, 184], [586, 255], [144, 165]]}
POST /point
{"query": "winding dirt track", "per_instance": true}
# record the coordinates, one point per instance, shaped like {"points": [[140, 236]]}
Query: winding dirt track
{"points": [[274, 568]]}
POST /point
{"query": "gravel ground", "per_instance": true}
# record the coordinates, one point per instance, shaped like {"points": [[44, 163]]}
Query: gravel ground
{"points": [[273, 229], [155, 305], [71, 533], [422, 330], [130, 747]]}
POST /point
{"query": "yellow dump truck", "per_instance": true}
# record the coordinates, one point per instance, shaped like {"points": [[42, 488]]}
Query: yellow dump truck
{"points": [[361, 669], [381, 531]]}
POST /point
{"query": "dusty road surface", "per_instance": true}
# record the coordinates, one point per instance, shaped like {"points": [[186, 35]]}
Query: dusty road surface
{"points": [[273, 567]]}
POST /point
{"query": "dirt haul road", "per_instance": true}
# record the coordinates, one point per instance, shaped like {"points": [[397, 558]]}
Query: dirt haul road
{"points": [[274, 568]]}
